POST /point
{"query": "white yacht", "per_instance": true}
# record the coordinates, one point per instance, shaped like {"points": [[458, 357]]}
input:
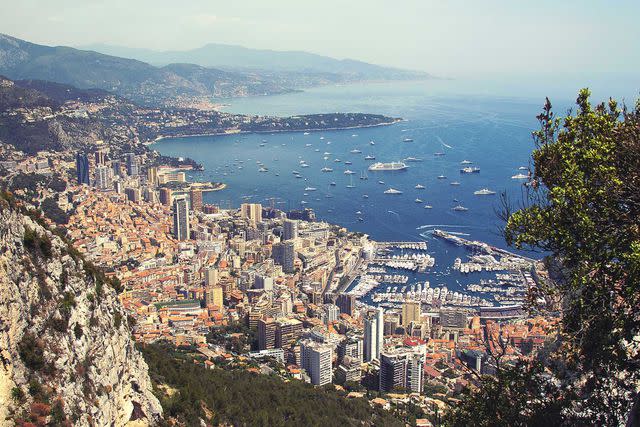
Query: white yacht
{"points": [[460, 208], [310, 189], [349, 172], [370, 157], [392, 191], [466, 162], [419, 187], [326, 169], [484, 192], [520, 176], [355, 151], [392, 166], [418, 201]]}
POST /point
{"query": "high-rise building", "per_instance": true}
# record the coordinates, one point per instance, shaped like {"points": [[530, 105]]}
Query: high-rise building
{"points": [[284, 254], [214, 296], [103, 177], [350, 347], [181, 219], [373, 334], [402, 369], [165, 196], [152, 175], [263, 282], [211, 276], [329, 313], [101, 157], [411, 312], [117, 168], [132, 164], [82, 168], [133, 194], [349, 371], [195, 196], [290, 229], [317, 361], [287, 331], [251, 211], [346, 303], [266, 334]]}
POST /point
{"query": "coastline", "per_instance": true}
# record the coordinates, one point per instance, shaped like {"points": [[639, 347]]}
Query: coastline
{"points": [[242, 132]]}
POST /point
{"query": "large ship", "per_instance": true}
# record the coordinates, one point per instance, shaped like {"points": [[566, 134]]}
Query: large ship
{"points": [[393, 166], [484, 192], [470, 169], [392, 191]]}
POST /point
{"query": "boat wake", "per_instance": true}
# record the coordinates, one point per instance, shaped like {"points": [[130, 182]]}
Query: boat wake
{"points": [[422, 227]]}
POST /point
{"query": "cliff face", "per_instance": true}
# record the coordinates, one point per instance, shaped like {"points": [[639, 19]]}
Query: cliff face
{"points": [[66, 354]]}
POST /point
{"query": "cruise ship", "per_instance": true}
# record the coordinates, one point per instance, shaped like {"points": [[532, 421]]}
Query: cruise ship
{"points": [[470, 169], [392, 191], [484, 192], [393, 166]]}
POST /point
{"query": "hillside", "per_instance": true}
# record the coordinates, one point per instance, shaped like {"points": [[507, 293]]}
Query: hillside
{"points": [[238, 57], [136, 80], [67, 353]]}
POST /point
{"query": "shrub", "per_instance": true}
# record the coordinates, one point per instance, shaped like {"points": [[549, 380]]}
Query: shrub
{"points": [[31, 353]]}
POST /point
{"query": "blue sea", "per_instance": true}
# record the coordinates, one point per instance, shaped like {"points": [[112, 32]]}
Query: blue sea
{"points": [[461, 120]]}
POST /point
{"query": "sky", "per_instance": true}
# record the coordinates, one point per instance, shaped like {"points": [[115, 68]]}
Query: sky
{"points": [[446, 38]]}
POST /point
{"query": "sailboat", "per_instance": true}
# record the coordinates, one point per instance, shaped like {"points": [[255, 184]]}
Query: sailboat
{"points": [[351, 182]]}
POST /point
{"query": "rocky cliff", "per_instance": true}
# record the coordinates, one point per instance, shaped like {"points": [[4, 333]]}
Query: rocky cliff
{"points": [[66, 354]]}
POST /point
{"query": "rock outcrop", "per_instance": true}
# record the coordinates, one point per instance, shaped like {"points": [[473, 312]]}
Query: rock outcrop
{"points": [[66, 353]]}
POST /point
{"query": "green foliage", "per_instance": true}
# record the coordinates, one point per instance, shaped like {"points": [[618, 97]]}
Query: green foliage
{"points": [[117, 319], [243, 398], [517, 396], [31, 352], [583, 207], [38, 245], [17, 394]]}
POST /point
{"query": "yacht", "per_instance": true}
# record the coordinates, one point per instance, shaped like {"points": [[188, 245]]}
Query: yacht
{"points": [[304, 202], [317, 150], [442, 177], [307, 145], [370, 157], [392, 191], [304, 165], [262, 144], [428, 207], [439, 153], [412, 159], [392, 166], [358, 213], [355, 151], [333, 183], [454, 183], [322, 137], [381, 182], [418, 201], [466, 162], [365, 196], [326, 169], [337, 160], [349, 172], [348, 162], [372, 143], [419, 187], [306, 133], [523, 168], [460, 208], [326, 153], [295, 172], [470, 169], [310, 189], [520, 176], [407, 140], [484, 192], [263, 169]]}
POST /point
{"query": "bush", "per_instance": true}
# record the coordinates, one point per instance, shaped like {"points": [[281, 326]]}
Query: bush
{"points": [[31, 353]]}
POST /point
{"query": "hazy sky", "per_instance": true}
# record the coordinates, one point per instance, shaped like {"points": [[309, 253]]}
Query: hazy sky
{"points": [[442, 37]]}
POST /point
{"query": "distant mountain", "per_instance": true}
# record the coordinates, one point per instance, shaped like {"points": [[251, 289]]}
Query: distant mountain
{"points": [[239, 58], [136, 80]]}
